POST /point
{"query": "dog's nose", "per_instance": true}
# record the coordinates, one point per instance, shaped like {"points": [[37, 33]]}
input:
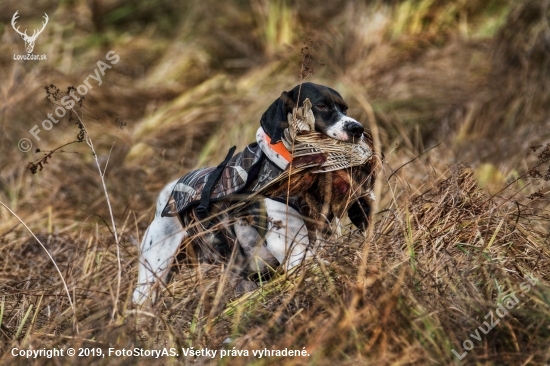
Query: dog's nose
{"points": [[355, 128]]}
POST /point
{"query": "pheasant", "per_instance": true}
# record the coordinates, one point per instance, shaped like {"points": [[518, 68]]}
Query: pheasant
{"points": [[301, 139], [327, 175]]}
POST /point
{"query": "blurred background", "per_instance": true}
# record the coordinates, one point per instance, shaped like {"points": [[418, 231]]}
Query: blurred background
{"points": [[470, 77], [194, 78]]}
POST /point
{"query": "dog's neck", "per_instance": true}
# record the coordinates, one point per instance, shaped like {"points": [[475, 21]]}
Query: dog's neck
{"points": [[277, 153]]}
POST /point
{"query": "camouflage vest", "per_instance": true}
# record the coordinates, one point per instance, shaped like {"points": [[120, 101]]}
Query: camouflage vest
{"points": [[246, 171]]}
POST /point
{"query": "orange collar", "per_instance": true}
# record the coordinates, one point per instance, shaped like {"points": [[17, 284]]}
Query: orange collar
{"points": [[279, 148]]}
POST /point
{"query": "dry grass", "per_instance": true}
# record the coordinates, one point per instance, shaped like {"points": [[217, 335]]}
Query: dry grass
{"points": [[449, 242]]}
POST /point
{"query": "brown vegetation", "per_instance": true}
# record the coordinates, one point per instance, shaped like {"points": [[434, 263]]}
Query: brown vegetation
{"points": [[449, 243]]}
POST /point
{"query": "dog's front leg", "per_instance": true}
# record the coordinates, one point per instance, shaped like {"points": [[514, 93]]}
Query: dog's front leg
{"points": [[287, 237], [158, 248]]}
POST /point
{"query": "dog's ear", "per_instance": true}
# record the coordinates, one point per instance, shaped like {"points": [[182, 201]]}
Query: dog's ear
{"points": [[274, 120]]}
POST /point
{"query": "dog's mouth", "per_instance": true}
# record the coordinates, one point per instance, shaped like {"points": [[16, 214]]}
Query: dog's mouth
{"points": [[340, 135], [348, 130]]}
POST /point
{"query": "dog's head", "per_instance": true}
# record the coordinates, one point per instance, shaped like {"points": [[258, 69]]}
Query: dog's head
{"points": [[329, 110]]}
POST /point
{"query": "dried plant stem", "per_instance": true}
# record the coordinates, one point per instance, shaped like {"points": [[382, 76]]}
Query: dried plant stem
{"points": [[378, 182], [49, 255], [115, 234]]}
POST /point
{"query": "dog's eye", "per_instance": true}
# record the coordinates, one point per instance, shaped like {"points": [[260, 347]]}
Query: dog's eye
{"points": [[321, 107]]}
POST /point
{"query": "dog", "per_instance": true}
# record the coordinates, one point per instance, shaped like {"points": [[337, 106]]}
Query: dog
{"points": [[204, 210]]}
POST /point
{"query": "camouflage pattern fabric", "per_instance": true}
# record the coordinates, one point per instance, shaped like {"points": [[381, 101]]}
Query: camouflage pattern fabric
{"points": [[248, 169]]}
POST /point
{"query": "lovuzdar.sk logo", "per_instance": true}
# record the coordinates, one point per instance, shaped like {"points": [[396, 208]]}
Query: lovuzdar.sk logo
{"points": [[29, 40]]}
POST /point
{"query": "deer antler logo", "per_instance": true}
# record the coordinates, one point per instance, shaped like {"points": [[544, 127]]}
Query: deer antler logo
{"points": [[29, 41]]}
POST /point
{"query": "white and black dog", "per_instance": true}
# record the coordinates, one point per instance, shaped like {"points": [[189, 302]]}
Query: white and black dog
{"points": [[196, 209]]}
